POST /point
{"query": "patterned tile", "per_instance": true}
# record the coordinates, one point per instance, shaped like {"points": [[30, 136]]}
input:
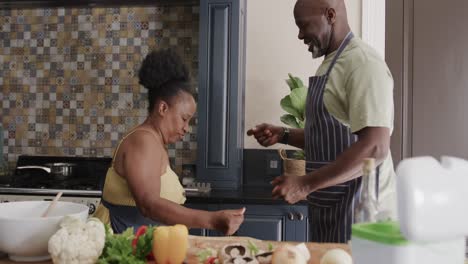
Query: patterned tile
{"points": [[68, 76]]}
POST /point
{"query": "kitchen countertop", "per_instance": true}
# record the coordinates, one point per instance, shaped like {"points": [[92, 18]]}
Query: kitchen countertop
{"points": [[199, 243], [245, 195]]}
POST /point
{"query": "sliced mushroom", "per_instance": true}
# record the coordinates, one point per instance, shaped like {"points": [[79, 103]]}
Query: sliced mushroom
{"points": [[264, 258], [231, 251], [241, 260]]}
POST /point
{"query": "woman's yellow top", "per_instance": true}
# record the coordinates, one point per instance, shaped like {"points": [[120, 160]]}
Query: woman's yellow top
{"points": [[117, 192]]}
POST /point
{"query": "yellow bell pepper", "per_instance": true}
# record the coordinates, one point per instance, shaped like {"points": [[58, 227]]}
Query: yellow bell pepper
{"points": [[170, 244]]}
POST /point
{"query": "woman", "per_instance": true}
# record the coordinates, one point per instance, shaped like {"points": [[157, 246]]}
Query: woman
{"points": [[140, 187]]}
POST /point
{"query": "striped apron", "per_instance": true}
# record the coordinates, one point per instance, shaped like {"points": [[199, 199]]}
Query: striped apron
{"points": [[331, 209]]}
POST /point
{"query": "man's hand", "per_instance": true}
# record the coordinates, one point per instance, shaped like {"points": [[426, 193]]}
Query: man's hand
{"points": [[291, 188], [266, 134]]}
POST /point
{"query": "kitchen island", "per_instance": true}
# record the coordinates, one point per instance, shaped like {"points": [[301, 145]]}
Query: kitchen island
{"points": [[199, 243]]}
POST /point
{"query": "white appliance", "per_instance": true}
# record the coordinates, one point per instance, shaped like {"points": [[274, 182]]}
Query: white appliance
{"points": [[433, 217]]}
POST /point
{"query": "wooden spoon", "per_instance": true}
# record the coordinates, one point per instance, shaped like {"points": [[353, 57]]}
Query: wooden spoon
{"points": [[52, 204]]}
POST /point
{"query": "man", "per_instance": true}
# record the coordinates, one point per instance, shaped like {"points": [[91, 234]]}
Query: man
{"points": [[349, 117]]}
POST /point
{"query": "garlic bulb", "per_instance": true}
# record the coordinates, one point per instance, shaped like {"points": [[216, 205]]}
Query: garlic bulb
{"points": [[288, 254], [336, 256]]}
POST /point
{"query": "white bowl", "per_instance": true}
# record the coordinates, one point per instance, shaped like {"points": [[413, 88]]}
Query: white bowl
{"points": [[24, 234]]}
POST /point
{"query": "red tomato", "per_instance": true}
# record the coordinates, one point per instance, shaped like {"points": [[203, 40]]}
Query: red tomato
{"points": [[141, 230], [211, 260]]}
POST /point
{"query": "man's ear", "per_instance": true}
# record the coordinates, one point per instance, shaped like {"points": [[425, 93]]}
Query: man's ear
{"points": [[331, 15], [163, 107]]}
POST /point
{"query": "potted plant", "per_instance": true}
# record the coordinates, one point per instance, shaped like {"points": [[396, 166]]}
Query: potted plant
{"points": [[294, 104]]}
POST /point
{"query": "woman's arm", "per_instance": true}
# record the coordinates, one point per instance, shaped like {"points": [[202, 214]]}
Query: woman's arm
{"points": [[143, 162]]}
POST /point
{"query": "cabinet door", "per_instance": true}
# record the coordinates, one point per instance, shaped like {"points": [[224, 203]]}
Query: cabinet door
{"points": [[220, 92], [264, 227], [205, 207], [301, 222]]}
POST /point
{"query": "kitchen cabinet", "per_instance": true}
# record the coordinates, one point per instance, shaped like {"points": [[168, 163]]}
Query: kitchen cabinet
{"points": [[428, 58], [221, 92], [265, 222]]}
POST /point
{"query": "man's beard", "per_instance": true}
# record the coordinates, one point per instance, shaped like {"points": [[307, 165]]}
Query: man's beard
{"points": [[317, 51]]}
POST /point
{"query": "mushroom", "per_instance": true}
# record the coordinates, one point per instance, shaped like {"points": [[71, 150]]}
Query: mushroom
{"points": [[231, 251], [241, 260], [264, 258]]}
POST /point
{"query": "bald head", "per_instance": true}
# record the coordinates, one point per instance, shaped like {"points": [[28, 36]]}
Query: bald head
{"points": [[314, 6], [322, 24]]}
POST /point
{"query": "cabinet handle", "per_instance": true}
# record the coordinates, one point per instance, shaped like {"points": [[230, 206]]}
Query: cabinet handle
{"points": [[290, 216], [300, 216]]}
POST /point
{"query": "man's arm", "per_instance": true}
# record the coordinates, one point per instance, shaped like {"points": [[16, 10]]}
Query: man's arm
{"points": [[296, 138], [267, 135], [373, 142]]}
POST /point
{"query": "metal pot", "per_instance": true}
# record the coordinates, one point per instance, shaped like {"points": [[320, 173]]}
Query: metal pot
{"points": [[57, 169]]}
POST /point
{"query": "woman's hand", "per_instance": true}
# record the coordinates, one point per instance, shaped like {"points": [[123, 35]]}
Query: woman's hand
{"points": [[228, 221], [266, 134]]}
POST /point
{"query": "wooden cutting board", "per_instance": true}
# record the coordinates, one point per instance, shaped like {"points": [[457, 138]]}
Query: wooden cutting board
{"points": [[198, 243], [317, 250]]}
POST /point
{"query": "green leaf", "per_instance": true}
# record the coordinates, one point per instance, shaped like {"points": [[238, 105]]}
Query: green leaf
{"points": [[291, 84], [301, 123], [299, 82], [204, 255], [118, 248], [287, 106], [294, 103], [253, 248], [145, 243], [296, 81], [299, 154], [298, 101], [290, 121], [128, 233], [270, 247]]}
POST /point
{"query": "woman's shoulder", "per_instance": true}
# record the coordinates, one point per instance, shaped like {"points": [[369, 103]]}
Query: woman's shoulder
{"points": [[143, 140]]}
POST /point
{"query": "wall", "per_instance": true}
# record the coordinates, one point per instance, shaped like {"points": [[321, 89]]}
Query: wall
{"points": [[273, 51], [68, 76], [431, 86]]}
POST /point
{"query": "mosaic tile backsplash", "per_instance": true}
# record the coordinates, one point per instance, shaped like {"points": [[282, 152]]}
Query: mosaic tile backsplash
{"points": [[69, 76]]}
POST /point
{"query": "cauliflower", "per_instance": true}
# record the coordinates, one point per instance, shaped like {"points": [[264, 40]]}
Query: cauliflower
{"points": [[77, 242]]}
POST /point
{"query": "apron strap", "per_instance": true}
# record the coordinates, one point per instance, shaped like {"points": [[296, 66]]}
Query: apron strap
{"points": [[343, 45]]}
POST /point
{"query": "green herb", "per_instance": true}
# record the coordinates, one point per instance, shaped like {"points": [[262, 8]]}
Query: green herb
{"points": [[118, 248], [145, 243], [253, 248], [204, 255], [270, 247]]}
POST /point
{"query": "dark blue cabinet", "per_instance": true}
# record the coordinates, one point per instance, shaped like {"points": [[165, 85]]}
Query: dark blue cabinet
{"points": [[221, 92], [265, 222]]}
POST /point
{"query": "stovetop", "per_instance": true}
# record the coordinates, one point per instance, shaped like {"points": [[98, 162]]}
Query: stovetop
{"points": [[87, 178]]}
